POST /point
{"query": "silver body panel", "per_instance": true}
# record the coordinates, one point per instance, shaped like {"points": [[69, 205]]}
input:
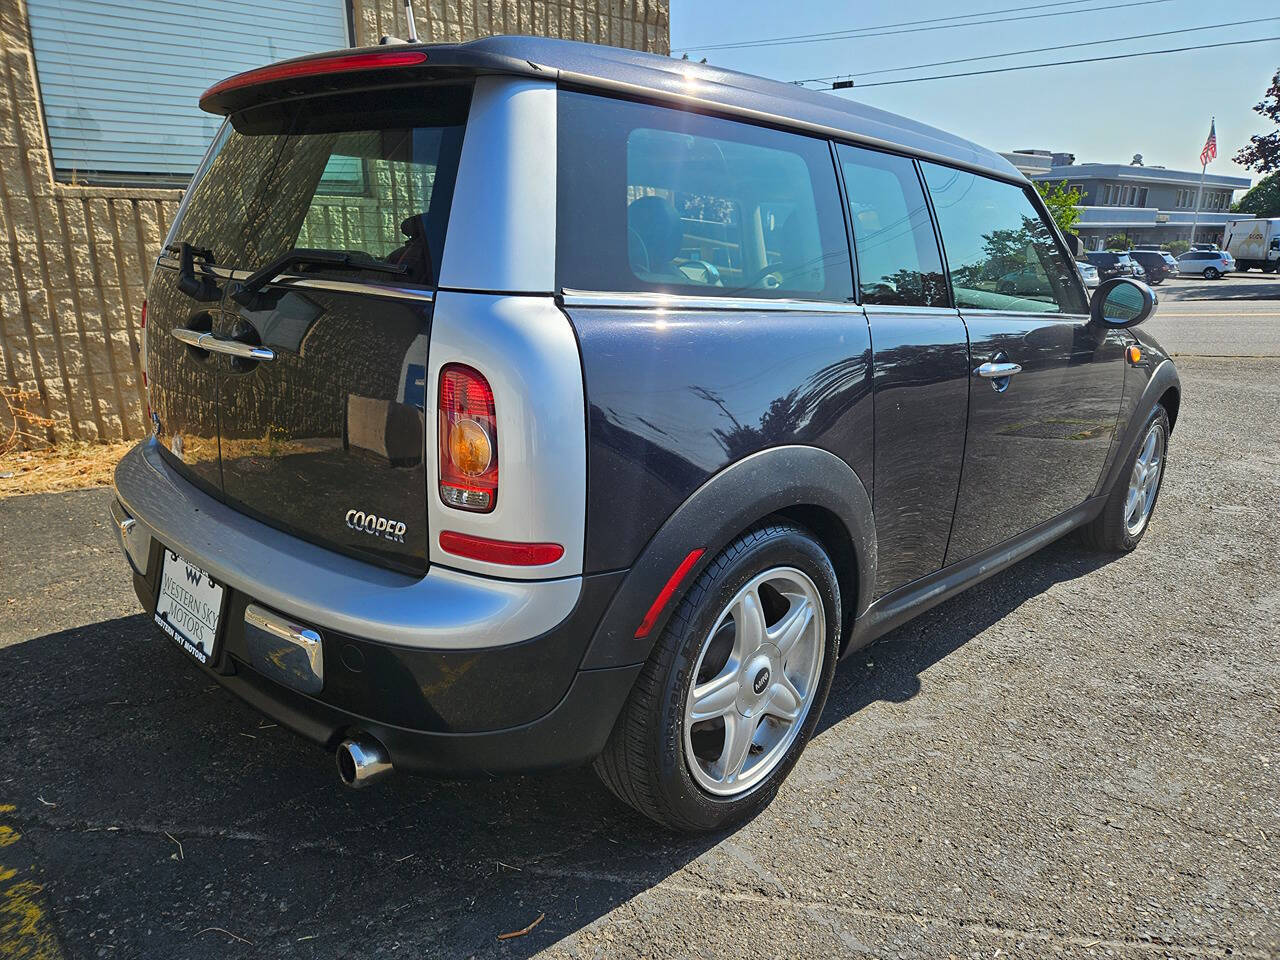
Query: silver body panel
{"points": [[444, 610], [526, 348], [502, 224]]}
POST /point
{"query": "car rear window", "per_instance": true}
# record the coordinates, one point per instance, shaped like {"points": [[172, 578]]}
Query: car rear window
{"points": [[654, 199], [347, 173]]}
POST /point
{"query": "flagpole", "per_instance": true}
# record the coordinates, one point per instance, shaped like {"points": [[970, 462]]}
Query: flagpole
{"points": [[1195, 217]]}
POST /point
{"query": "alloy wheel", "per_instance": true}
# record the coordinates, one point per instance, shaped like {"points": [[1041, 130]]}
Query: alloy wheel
{"points": [[754, 681], [1144, 482]]}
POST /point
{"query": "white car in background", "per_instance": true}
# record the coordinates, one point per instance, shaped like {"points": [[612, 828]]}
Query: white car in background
{"points": [[1088, 273], [1210, 264]]}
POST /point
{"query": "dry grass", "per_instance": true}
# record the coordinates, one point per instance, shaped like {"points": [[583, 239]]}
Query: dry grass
{"points": [[69, 466]]}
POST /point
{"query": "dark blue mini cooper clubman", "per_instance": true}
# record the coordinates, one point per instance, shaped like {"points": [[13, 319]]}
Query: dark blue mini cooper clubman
{"points": [[523, 403]]}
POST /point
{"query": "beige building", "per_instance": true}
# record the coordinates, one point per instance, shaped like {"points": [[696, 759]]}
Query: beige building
{"points": [[87, 194]]}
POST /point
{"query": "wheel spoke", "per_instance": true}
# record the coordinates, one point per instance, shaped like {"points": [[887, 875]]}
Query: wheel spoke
{"points": [[714, 698], [748, 618], [1131, 506], [784, 699], [738, 733], [792, 626]]}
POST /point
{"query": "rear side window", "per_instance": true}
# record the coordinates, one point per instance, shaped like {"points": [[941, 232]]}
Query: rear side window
{"points": [[346, 173], [653, 199], [1000, 253], [893, 239]]}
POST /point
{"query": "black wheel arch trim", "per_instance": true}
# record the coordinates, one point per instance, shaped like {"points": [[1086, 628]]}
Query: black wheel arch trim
{"points": [[785, 480], [1163, 378]]}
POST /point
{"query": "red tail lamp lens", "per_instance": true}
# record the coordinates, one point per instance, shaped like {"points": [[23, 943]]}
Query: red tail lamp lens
{"points": [[468, 439], [500, 551], [316, 67]]}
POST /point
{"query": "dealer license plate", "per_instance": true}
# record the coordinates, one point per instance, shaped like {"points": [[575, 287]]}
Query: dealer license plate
{"points": [[189, 606]]}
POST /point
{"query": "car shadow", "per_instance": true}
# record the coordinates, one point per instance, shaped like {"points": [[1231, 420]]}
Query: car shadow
{"points": [[160, 816]]}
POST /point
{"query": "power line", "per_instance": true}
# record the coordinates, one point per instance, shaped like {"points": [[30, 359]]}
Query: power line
{"points": [[1018, 53], [861, 33], [884, 26], [1061, 63]]}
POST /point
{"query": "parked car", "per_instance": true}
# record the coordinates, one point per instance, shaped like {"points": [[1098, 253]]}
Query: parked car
{"points": [[1088, 273], [573, 452], [1110, 264], [1210, 264], [1138, 271], [1156, 263]]}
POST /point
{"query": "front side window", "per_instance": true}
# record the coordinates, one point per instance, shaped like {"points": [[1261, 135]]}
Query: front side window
{"points": [[654, 199], [1001, 253], [893, 239]]}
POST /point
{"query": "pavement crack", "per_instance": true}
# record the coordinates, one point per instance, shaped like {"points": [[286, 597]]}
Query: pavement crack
{"points": [[1148, 943]]}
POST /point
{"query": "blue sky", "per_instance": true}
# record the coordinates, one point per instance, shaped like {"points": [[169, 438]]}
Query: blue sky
{"points": [[1105, 112]]}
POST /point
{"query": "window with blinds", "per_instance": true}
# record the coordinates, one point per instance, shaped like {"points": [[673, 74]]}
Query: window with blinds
{"points": [[120, 81]]}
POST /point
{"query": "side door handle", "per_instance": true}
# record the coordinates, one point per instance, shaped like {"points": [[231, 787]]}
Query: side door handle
{"points": [[204, 340], [993, 370]]}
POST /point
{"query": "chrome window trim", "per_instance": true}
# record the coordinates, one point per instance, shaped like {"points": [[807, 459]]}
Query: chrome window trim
{"points": [[316, 283], [664, 301], [893, 309], [988, 311]]}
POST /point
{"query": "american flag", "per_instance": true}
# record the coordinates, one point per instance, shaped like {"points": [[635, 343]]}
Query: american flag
{"points": [[1210, 146]]}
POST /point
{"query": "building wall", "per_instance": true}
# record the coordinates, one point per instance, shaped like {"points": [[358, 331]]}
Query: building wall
{"points": [[74, 259]]}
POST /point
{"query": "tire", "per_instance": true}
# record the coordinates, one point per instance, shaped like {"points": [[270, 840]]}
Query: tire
{"points": [[664, 763], [1115, 530], [1211, 273]]}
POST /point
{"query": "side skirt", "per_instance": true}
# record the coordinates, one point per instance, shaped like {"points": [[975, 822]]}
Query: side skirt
{"points": [[896, 608]]}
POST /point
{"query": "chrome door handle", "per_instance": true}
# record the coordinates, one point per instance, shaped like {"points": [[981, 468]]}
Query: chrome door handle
{"points": [[995, 371], [204, 340]]}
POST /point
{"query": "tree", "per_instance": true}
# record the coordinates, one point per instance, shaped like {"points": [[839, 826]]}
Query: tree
{"points": [[1263, 200], [1262, 153], [1178, 247], [1117, 241], [1063, 204]]}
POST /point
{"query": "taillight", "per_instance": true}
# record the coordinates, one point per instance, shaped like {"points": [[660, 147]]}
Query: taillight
{"points": [[500, 551], [468, 440]]}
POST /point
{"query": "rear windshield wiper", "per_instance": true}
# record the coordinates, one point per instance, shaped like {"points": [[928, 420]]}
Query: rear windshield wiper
{"points": [[203, 288], [246, 293]]}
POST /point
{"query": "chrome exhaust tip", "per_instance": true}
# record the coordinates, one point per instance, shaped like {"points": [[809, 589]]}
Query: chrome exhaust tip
{"points": [[361, 760]]}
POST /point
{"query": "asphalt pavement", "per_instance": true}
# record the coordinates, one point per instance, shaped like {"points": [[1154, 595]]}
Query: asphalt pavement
{"points": [[1237, 315], [1079, 757]]}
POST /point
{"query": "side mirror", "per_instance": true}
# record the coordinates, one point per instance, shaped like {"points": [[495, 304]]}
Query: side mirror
{"points": [[1122, 302], [1075, 246]]}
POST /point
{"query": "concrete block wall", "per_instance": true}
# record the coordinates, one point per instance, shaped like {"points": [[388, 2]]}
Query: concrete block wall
{"points": [[74, 259]]}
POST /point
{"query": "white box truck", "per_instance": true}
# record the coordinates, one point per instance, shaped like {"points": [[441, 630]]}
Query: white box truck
{"points": [[1254, 243]]}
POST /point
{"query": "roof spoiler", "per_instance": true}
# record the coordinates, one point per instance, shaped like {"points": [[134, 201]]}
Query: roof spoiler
{"points": [[341, 70]]}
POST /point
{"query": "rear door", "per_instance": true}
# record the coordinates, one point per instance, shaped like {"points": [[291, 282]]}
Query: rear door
{"points": [[1037, 436], [920, 364], [322, 434]]}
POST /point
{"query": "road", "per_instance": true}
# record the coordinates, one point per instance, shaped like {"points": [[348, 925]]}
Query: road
{"points": [[1076, 758], [1238, 315]]}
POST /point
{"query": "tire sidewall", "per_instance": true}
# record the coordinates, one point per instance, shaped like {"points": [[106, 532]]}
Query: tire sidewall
{"points": [[778, 547]]}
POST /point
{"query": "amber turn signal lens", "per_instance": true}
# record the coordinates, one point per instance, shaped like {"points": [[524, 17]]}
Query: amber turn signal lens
{"points": [[1135, 354], [470, 448]]}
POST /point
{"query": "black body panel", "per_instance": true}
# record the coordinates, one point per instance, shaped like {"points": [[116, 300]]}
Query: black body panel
{"points": [[811, 486], [1035, 449], [334, 423], [921, 404], [182, 383], [675, 396], [421, 691]]}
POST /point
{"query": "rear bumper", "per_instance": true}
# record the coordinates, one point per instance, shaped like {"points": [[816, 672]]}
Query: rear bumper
{"points": [[453, 672]]}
